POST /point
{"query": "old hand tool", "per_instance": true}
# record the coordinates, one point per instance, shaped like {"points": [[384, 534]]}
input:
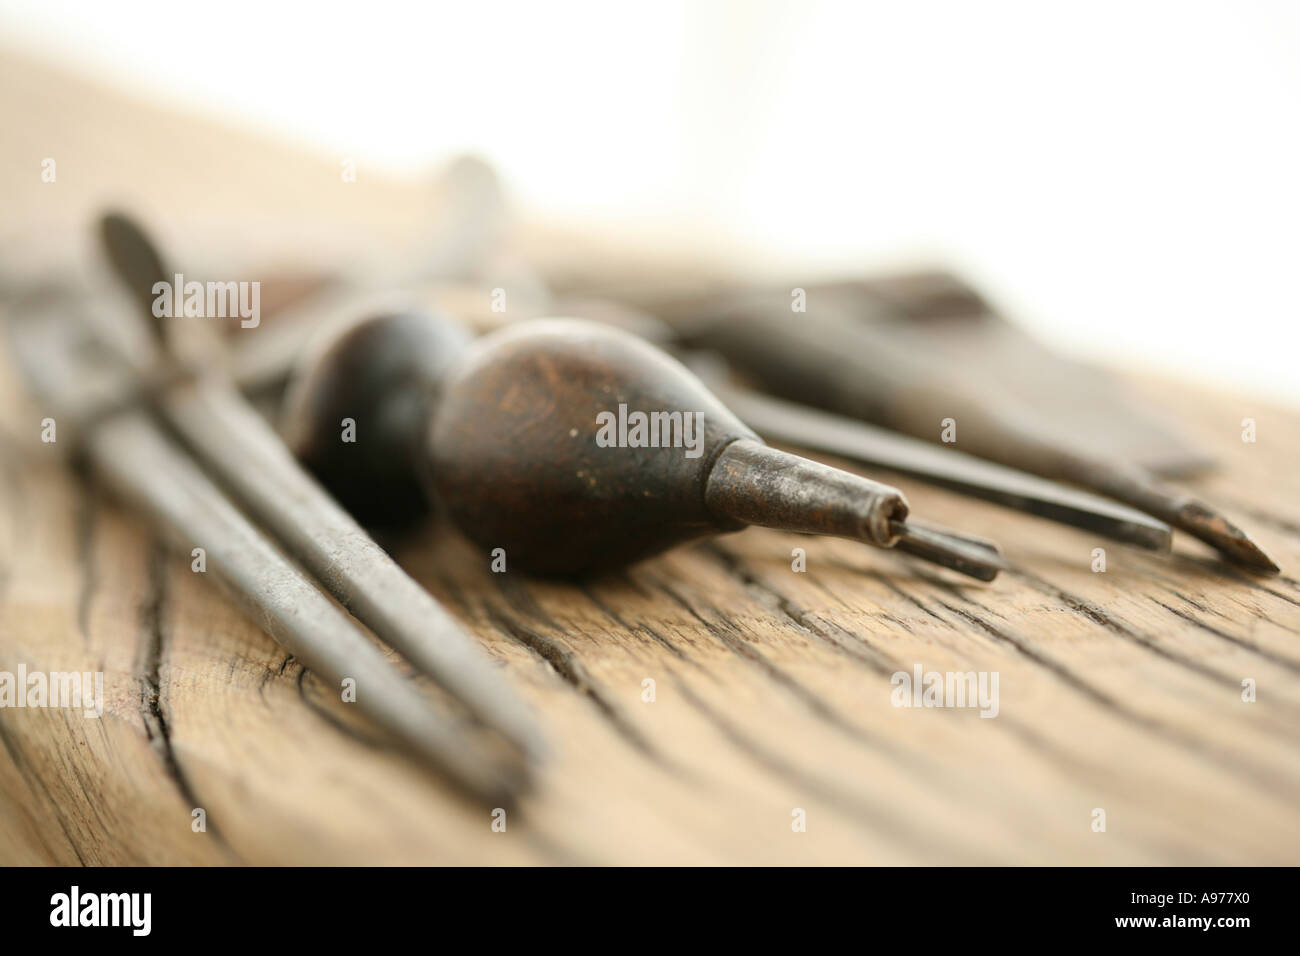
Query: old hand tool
{"points": [[808, 427], [351, 477], [938, 314], [830, 358], [102, 407], [512, 442], [805, 427], [238, 446]]}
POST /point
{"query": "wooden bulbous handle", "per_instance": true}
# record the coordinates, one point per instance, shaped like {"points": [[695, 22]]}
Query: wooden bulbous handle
{"points": [[357, 411], [575, 446]]}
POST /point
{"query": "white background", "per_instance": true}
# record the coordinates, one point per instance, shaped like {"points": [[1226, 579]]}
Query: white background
{"points": [[1124, 177]]}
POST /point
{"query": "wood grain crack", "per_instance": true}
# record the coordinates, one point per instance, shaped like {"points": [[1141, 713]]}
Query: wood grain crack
{"points": [[573, 672], [1293, 666], [1096, 615], [153, 709], [861, 650]]}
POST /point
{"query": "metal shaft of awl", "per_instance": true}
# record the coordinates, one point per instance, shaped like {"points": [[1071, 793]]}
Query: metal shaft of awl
{"points": [[765, 486], [83, 382], [832, 359], [246, 454], [940, 313], [231, 439], [977, 557], [141, 466], [826, 432]]}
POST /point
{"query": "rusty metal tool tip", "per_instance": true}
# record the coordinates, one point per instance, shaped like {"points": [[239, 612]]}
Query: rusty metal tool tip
{"points": [[976, 558], [757, 484], [1217, 531], [840, 362], [1139, 489]]}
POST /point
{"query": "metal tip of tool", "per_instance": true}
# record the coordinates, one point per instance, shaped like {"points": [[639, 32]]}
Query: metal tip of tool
{"points": [[757, 484], [135, 260], [978, 558], [1225, 537], [131, 252]]}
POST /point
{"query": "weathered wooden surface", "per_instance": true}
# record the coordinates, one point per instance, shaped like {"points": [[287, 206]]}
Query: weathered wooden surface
{"points": [[1119, 690]]}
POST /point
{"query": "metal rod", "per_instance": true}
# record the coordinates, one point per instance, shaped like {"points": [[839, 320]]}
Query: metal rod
{"points": [[134, 459], [96, 401], [236, 443], [811, 428], [231, 439], [829, 358], [760, 485]]}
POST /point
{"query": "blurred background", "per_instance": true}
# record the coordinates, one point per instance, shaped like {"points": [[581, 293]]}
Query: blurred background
{"points": [[1121, 177]]}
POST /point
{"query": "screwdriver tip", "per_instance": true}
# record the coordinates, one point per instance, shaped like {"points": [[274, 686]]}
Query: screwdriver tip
{"points": [[978, 558]]}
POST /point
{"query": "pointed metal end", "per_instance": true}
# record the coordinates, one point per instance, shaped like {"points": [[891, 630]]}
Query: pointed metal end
{"points": [[135, 260], [1225, 537], [130, 250], [497, 779], [975, 557]]}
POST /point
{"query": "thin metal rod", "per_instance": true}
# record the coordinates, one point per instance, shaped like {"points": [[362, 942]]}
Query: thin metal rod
{"points": [[832, 359], [232, 440], [807, 427], [82, 382], [959, 553], [247, 456], [135, 460], [760, 485]]}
